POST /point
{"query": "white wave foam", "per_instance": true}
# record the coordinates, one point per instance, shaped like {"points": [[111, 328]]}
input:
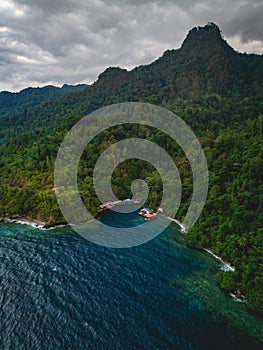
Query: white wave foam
{"points": [[238, 300], [33, 224], [183, 229], [24, 222], [225, 265]]}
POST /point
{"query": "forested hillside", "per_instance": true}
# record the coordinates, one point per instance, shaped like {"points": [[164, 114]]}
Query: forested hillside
{"points": [[14, 102], [217, 91]]}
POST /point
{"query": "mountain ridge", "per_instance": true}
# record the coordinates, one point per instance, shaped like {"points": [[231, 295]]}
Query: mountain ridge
{"points": [[203, 56], [204, 65], [13, 102], [177, 74]]}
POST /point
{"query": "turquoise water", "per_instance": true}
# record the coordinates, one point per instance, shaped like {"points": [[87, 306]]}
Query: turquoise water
{"points": [[60, 291]]}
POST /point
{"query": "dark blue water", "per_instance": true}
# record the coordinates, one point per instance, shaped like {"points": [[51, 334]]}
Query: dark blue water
{"points": [[59, 291]]}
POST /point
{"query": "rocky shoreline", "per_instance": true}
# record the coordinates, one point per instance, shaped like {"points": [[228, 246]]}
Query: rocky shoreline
{"points": [[23, 220], [225, 265]]}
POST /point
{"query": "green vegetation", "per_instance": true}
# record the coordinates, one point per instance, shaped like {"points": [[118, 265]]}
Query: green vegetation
{"points": [[231, 224], [11, 103], [217, 91]]}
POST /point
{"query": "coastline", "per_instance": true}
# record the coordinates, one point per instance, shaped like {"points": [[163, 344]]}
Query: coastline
{"points": [[225, 265], [183, 228], [41, 225]]}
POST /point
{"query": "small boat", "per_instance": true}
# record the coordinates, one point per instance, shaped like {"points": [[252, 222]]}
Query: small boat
{"points": [[148, 217], [147, 213], [144, 211]]}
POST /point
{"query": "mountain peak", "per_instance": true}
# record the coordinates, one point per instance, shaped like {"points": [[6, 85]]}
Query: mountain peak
{"points": [[210, 30], [112, 71], [210, 33], [112, 76]]}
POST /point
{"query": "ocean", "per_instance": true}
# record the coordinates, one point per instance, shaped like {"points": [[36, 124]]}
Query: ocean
{"points": [[60, 291]]}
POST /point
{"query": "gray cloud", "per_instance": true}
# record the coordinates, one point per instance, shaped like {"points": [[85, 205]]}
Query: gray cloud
{"points": [[59, 41], [248, 24], [50, 7]]}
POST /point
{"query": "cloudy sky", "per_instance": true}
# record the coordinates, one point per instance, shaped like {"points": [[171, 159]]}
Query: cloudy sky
{"points": [[70, 41]]}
